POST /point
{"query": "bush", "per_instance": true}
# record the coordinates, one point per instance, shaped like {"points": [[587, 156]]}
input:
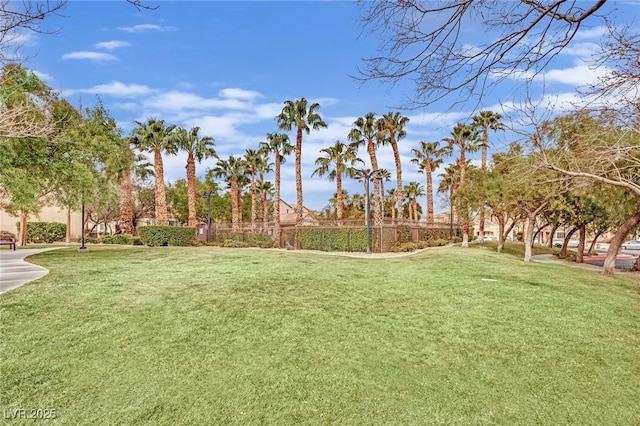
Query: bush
{"points": [[88, 240], [334, 239], [399, 247], [45, 232], [248, 239], [234, 244], [123, 239], [7, 233], [166, 235]]}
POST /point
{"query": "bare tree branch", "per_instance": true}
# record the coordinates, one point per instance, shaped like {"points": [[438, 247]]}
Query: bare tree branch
{"points": [[16, 17], [421, 41]]}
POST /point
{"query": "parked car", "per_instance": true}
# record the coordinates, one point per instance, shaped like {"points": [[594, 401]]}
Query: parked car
{"points": [[557, 243], [631, 245]]}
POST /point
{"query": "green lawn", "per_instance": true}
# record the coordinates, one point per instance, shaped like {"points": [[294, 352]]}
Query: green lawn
{"points": [[245, 336]]}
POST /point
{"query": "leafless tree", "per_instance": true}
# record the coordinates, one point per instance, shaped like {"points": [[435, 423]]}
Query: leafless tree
{"points": [[20, 17], [422, 40]]}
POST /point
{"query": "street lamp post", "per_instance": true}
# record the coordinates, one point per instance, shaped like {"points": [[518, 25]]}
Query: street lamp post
{"points": [[82, 248], [208, 195], [367, 205]]}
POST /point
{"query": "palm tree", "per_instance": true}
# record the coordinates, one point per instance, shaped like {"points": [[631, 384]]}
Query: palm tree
{"points": [[303, 117], [338, 160], [413, 191], [428, 158], [153, 136], [391, 130], [264, 187], [465, 137], [253, 159], [391, 199], [131, 165], [278, 144], [485, 121], [364, 132], [197, 148], [232, 170], [449, 184]]}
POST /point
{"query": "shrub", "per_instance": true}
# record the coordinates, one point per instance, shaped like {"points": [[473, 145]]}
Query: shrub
{"points": [[45, 232], [399, 247], [118, 239], [334, 239], [88, 240], [166, 235], [7, 233], [235, 244]]}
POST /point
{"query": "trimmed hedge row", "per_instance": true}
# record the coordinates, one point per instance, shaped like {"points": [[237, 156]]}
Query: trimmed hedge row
{"points": [[334, 239], [166, 235], [45, 232], [244, 239]]}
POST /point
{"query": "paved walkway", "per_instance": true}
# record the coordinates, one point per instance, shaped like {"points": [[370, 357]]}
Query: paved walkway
{"points": [[15, 271]]}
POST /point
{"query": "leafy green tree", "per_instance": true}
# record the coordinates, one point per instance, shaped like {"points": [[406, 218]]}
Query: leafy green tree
{"points": [[197, 149], [303, 117], [155, 137], [337, 161]]}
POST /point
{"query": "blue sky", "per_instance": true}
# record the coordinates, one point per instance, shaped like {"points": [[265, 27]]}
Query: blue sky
{"points": [[227, 67]]}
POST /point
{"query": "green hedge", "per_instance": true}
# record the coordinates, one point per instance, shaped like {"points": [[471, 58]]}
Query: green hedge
{"points": [[248, 239], [166, 235], [123, 239], [45, 232], [334, 239]]}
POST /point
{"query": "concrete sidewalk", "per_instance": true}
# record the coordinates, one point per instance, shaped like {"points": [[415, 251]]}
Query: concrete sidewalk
{"points": [[15, 271]]}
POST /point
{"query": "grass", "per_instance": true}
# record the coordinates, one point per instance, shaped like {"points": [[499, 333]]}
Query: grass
{"points": [[246, 336]]}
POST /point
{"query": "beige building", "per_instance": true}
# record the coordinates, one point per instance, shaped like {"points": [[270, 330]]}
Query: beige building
{"points": [[10, 223]]}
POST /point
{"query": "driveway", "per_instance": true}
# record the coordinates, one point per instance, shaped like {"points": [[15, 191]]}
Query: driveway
{"points": [[15, 271]]}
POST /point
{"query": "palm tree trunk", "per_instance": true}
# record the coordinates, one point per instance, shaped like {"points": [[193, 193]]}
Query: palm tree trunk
{"points": [[276, 207], [377, 202], [339, 200], [399, 197], [161, 196], [234, 205], [429, 195], [299, 180], [254, 199], [191, 188], [485, 138], [126, 205]]}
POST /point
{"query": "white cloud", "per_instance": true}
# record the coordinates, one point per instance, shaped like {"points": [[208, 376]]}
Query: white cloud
{"points": [[112, 45], [115, 88], [592, 33], [178, 101], [578, 75], [584, 50], [242, 94], [91, 56], [145, 28]]}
